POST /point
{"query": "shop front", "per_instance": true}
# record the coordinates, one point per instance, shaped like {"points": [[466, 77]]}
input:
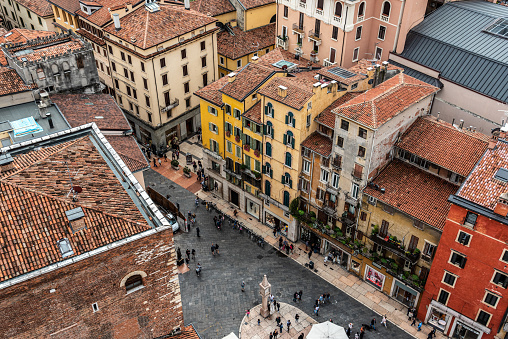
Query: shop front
{"points": [[310, 238], [341, 256], [274, 222], [405, 294], [252, 208], [374, 277], [463, 331]]}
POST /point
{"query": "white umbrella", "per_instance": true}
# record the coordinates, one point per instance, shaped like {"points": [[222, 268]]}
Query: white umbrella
{"points": [[327, 330]]}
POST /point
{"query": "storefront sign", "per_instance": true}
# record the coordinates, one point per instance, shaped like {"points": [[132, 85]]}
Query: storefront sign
{"points": [[375, 277]]}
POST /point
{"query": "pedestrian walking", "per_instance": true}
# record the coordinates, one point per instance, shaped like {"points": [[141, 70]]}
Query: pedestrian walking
{"points": [[193, 252], [383, 321], [281, 326], [165, 157], [362, 334], [197, 231], [348, 331], [288, 323], [310, 253], [274, 232], [316, 311], [275, 333], [178, 254], [357, 336], [300, 295], [414, 321], [373, 323], [433, 333], [321, 299], [280, 243], [271, 298], [243, 286], [247, 313], [194, 166], [295, 296], [297, 317], [278, 307], [154, 162], [277, 320], [217, 249], [200, 164], [187, 253], [259, 322], [213, 249], [420, 325], [187, 261], [271, 335], [328, 297], [301, 336], [160, 162]]}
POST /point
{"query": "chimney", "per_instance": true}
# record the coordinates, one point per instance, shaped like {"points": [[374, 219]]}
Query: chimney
{"points": [[370, 72], [187, 4], [385, 65], [231, 77], [376, 75], [255, 59], [461, 124], [438, 114], [502, 205], [116, 20], [504, 129], [283, 91], [6, 162], [50, 121]]}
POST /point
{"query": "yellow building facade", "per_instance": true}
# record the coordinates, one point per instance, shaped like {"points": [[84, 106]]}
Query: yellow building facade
{"points": [[27, 14]]}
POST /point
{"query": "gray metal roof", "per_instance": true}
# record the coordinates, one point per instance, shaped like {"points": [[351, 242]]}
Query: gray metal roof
{"points": [[418, 75], [452, 41]]}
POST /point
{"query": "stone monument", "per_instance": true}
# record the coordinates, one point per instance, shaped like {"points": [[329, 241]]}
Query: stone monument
{"points": [[265, 289]]}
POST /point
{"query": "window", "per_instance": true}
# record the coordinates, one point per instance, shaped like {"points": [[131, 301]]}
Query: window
{"points": [[463, 238], [361, 151], [269, 129], [306, 167], [229, 146], [214, 146], [504, 256], [303, 185], [203, 61], [358, 35], [372, 201], [257, 166], [286, 9], [269, 110], [133, 283], [458, 259], [286, 180], [335, 180], [338, 9], [142, 66], [362, 133], [186, 88], [122, 55], [238, 63], [238, 151], [126, 73], [113, 65], [324, 176], [268, 187], [183, 52], [185, 70], [335, 32], [381, 33], [145, 83], [267, 169], [268, 149], [483, 318], [286, 198], [363, 216], [449, 279], [344, 124], [388, 209], [237, 113], [110, 50], [500, 279], [358, 171], [213, 128], [288, 139], [443, 297], [65, 247], [147, 101], [340, 141], [356, 51], [320, 4], [361, 9], [287, 162], [428, 251], [228, 109], [211, 110], [383, 232], [221, 60], [205, 78], [470, 219], [163, 62], [355, 189], [320, 194], [203, 45], [187, 103], [491, 299], [164, 79], [290, 120], [309, 116], [95, 307], [129, 93], [40, 20], [386, 8], [149, 117], [379, 53], [129, 59]]}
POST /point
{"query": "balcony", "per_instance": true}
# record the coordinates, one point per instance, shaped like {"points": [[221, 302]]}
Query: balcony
{"points": [[172, 104], [297, 29], [329, 208], [319, 11], [385, 18], [356, 175], [212, 154], [274, 202], [315, 36], [231, 171], [395, 248], [283, 42], [337, 163], [360, 18], [337, 19], [327, 62], [302, 4]]}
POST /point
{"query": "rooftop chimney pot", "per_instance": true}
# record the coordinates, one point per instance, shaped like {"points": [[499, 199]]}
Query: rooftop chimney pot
{"points": [[116, 20]]}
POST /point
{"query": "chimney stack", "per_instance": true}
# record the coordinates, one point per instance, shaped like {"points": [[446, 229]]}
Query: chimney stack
{"points": [[283, 91], [231, 77], [187, 4], [116, 20], [50, 121], [439, 113], [255, 59], [376, 74], [461, 124]]}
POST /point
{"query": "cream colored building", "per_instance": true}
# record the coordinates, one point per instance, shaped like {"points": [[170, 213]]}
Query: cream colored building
{"points": [[30, 14]]}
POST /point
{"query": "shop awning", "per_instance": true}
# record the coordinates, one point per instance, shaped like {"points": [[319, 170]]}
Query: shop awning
{"points": [[405, 287]]}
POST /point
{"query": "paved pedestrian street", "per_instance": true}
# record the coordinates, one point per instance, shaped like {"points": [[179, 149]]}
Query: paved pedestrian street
{"points": [[214, 302]]}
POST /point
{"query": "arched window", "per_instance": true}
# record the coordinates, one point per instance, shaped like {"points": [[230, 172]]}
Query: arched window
{"points": [[269, 109], [133, 282], [268, 149], [338, 9], [387, 7], [269, 129], [65, 66], [268, 170], [288, 139], [288, 159], [54, 69], [361, 9], [273, 19], [268, 188], [286, 198], [286, 180], [290, 119]]}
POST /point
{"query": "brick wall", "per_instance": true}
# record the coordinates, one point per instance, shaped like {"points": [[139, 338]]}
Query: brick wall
{"points": [[58, 304]]}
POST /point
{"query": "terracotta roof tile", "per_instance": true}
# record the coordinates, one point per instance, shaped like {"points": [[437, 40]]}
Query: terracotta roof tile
{"points": [[46, 48], [299, 89], [103, 15], [481, 187], [212, 92], [22, 35], [39, 7], [187, 333], [80, 109], [243, 43], [327, 117], [150, 29], [255, 3], [11, 82], [71, 6], [129, 151], [444, 145], [212, 7], [34, 198], [91, 37], [362, 65], [318, 143], [376, 106], [246, 81], [254, 113], [420, 194]]}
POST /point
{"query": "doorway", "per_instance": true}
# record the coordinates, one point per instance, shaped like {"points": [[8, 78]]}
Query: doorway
{"points": [[234, 198], [190, 126]]}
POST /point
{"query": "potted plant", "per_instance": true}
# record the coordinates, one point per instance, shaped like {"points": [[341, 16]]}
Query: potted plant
{"points": [[246, 147], [375, 230], [174, 164], [228, 133], [237, 138], [313, 53], [243, 167], [257, 174], [187, 172], [256, 153]]}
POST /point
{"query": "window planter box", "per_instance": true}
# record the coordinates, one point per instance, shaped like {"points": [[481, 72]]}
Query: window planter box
{"points": [[246, 147], [228, 134], [237, 138], [256, 153]]}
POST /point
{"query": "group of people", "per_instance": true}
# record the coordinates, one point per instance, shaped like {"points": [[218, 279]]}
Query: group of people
{"points": [[323, 298], [285, 246], [215, 249], [279, 329], [218, 221]]}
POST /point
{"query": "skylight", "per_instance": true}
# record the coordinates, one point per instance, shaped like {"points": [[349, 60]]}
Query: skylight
{"points": [[282, 63], [65, 248], [341, 72], [502, 175], [500, 28]]}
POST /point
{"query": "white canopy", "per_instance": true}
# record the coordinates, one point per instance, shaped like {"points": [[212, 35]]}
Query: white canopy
{"points": [[231, 336], [327, 330]]}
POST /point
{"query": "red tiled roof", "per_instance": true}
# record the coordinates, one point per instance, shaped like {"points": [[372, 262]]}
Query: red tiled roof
{"points": [[243, 43], [481, 187], [80, 109], [318, 143], [376, 106], [11, 82], [212, 92], [279, 54], [299, 89], [22, 35], [71, 6], [187, 333], [362, 65], [327, 117], [246, 81], [255, 3], [48, 48], [91, 37], [128, 149], [444, 145], [103, 15], [254, 113], [40, 7], [212, 7], [150, 29], [34, 198], [413, 191]]}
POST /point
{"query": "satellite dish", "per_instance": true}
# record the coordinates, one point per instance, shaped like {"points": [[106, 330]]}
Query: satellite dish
{"points": [[77, 189]]}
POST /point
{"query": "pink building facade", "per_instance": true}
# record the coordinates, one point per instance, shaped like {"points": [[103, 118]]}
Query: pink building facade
{"points": [[342, 32]]}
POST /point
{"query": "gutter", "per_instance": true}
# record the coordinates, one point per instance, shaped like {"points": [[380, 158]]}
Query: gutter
{"points": [[343, 36], [397, 33]]}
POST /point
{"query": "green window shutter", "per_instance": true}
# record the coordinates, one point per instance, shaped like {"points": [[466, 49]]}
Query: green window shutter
{"points": [[210, 126], [261, 147], [286, 119], [211, 148], [272, 133], [284, 139], [266, 110], [290, 183], [282, 180], [264, 169], [293, 142], [294, 122], [243, 139], [271, 173], [264, 129]]}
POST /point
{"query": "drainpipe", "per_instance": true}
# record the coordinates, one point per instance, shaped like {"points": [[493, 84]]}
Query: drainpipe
{"points": [[343, 36], [397, 33]]}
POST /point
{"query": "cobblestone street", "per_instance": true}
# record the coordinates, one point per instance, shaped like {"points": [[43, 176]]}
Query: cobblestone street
{"points": [[214, 302]]}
